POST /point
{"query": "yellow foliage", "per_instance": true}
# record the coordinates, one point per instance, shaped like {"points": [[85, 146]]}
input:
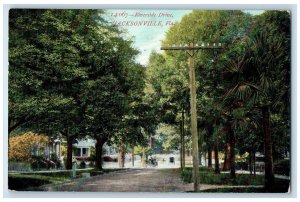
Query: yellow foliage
{"points": [[21, 146], [63, 150]]}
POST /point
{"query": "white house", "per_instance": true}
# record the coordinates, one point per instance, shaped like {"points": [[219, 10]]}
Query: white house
{"points": [[83, 147]]}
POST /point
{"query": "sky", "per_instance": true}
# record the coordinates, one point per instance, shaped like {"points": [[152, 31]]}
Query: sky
{"points": [[148, 27]]}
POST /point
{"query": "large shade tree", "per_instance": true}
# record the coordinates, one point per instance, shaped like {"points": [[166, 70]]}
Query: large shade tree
{"points": [[263, 81], [67, 73]]}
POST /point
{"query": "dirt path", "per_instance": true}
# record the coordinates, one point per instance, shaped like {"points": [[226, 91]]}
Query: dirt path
{"points": [[133, 180], [129, 180]]}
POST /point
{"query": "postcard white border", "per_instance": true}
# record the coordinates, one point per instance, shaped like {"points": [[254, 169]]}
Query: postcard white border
{"points": [[292, 7]]}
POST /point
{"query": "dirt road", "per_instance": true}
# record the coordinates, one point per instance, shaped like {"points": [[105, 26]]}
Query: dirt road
{"points": [[129, 180], [133, 180]]}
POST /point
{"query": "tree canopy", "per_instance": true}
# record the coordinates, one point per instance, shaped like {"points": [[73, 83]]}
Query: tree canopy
{"points": [[73, 74]]}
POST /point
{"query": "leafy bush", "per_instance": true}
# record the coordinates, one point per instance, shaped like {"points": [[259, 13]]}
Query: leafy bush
{"points": [[279, 186], [186, 175], [82, 164], [40, 163], [20, 183], [208, 176], [32, 181], [241, 165], [56, 160], [92, 157], [22, 146], [283, 167], [92, 164]]}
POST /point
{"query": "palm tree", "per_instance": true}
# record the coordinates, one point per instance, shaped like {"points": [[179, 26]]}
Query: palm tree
{"points": [[258, 82]]}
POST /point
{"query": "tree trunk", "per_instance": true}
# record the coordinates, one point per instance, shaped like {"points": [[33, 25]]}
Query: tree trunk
{"points": [[70, 140], [183, 143], [269, 169], [132, 156], [250, 162], [254, 166], [69, 152], [209, 156], [227, 163], [200, 158], [99, 145], [122, 156], [144, 159], [232, 152], [181, 147], [209, 147], [200, 148], [183, 153], [217, 164], [13, 124]]}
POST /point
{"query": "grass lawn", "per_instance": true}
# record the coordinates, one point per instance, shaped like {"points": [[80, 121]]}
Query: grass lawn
{"points": [[31, 181], [280, 186], [209, 177]]}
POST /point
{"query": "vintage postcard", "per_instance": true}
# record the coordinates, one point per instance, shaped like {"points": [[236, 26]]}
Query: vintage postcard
{"points": [[149, 100]]}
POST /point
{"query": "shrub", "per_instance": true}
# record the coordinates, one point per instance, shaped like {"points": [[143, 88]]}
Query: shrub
{"points": [[283, 167], [21, 146], [40, 163], [209, 177], [82, 164], [92, 164], [21, 183], [92, 157], [186, 175], [241, 165], [56, 160]]}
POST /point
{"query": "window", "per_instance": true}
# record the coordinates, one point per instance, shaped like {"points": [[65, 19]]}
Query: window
{"points": [[85, 151], [77, 152]]}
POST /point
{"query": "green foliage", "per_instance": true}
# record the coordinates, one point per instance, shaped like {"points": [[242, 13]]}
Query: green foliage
{"points": [[279, 186], [40, 163], [138, 150], [187, 175], [19, 166], [56, 160], [82, 165], [92, 164], [283, 167], [70, 73], [22, 183], [209, 177], [168, 136]]}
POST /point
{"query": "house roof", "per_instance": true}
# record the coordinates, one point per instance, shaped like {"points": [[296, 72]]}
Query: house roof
{"points": [[85, 143]]}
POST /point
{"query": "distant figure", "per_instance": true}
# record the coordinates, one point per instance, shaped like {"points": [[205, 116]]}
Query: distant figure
{"points": [[172, 160], [152, 162]]}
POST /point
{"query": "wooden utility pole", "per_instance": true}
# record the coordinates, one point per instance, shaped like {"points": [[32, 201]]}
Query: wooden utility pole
{"points": [[191, 50]]}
